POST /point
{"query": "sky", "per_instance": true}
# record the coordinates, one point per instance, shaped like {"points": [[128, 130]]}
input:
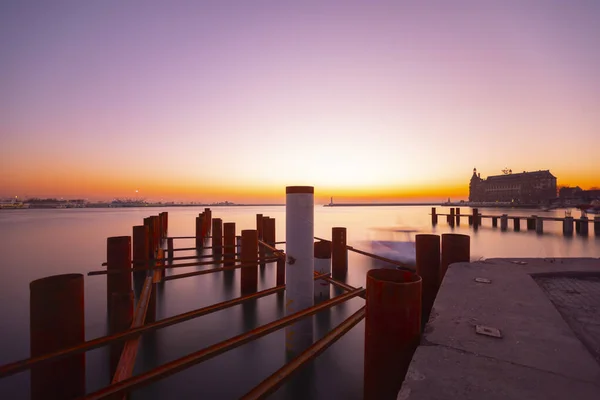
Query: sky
{"points": [[234, 100]]}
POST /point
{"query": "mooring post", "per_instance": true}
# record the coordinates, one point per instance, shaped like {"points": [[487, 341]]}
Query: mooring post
{"points": [[429, 269], [56, 321], [476, 221], [455, 248], [140, 255], [339, 253], [118, 264], [504, 222], [280, 277], [597, 226], [451, 217], [568, 226], [322, 251], [434, 218], [269, 232], [208, 222], [166, 222], [457, 215], [229, 243], [259, 226], [199, 231], [299, 271], [217, 237], [531, 223], [516, 224], [170, 248], [156, 225], [584, 225], [539, 224], [249, 254], [392, 330], [495, 222]]}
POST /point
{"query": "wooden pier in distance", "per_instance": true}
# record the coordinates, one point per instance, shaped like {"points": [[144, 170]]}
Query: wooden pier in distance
{"points": [[532, 222]]}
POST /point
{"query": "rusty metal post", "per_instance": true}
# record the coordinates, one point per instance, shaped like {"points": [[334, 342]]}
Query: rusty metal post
{"points": [[429, 269], [269, 235], [118, 258], [495, 222], [200, 231], [597, 226], [434, 218], [166, 222], [339, 252], [583, 230], [568, 226], [56, 321], [249, 254], [217, 237], [322, 266], [455, 248], [457, 215], [140, 254], [170, 248], [280, 271], [392, 329], [259, 226], [208, 222], [451, 217], [229, 242], [476, 221]]}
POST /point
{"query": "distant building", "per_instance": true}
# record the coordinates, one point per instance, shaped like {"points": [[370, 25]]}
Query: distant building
{"points": [[569, 192], [523, 187]]}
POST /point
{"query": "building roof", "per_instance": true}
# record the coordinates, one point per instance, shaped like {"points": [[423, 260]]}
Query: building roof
{"points": [[520, 175]]}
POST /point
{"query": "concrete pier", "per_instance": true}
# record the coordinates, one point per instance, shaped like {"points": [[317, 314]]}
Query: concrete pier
{"points": [[511, 329]]}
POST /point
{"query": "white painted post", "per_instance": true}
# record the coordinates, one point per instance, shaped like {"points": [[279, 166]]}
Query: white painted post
{"points": [[299, 267]]}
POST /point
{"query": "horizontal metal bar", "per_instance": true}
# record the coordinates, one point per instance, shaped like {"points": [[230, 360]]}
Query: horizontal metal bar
{"points": [[22, 365], [218, 269], [188, 248], [194, 264], [182, 363], [277, 252], [341, 285], [273, 382]]}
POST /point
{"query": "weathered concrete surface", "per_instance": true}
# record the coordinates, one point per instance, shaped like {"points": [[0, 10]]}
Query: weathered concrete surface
{"points": [[538, 357]]}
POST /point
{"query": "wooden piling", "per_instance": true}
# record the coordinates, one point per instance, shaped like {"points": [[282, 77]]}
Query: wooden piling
{"points": [[249, 254], [56, 321], [229, 243], [217, 237], [392, 330], [455, 248], [429, 269], [339, 252]]}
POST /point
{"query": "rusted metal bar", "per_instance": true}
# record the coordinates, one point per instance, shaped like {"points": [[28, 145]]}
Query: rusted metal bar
{"points": [[276, 252], [187, 248], [207, 353], [22, 365], [273, 382], [181, 237], [129, 353], [195, 264], [339, 284], [218, 269]]}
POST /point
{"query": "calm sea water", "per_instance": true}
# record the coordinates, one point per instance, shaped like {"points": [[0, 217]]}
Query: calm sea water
{"points": [[38, 243]]}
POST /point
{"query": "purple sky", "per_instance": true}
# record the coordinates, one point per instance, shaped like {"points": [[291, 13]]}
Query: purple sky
{"points": [[256, 95]]}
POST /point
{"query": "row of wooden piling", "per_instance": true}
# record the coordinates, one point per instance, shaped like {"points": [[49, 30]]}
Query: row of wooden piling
{"points": [[533, 222]]}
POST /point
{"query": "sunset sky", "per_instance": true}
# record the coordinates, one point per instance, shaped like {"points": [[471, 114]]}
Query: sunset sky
{"points": [[234, 100]]}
